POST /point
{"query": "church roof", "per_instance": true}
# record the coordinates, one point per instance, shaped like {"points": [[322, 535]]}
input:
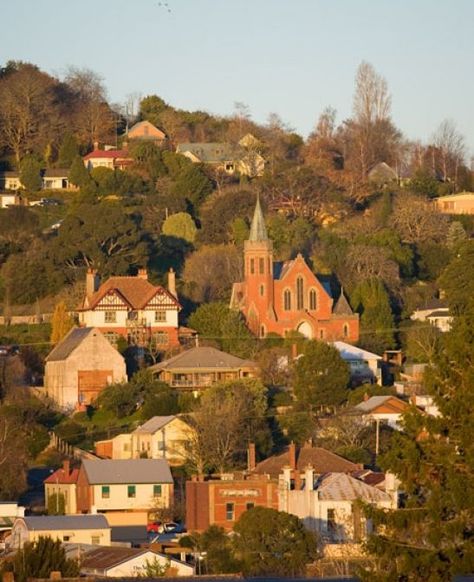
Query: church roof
{"points": [[258, 230], [342, 306]]}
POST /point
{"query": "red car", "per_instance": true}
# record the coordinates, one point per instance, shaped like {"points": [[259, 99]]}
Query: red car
{"points": [[154, 527]]}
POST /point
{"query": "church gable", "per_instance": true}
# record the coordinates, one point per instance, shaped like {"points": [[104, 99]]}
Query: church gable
{"points": [[300, 268]]}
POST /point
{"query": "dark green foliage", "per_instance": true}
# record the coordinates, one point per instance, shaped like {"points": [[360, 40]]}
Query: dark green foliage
{"points": [[162, 401], [270, 542], [78, 174], [371, 300], [216, 547], [457, 279], [191, 183], [30, 174], [39, 559], [56, 504], [225, 328], [355, 454], [321, 376], [432, 260], [424, 183], [71, 431], [68, 151]]}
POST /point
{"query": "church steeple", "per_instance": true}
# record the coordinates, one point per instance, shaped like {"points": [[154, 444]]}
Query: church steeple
{"points": [[258, 230]]}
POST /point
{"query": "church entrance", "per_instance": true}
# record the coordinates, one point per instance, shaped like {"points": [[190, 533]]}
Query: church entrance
{"points": [[305, 329]]}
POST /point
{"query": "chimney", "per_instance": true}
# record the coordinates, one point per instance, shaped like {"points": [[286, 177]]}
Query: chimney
{"points": [[294, 351], [309, 478], [92, 282], [172, 282], [366, 397], [142, 274], [96, 146], [292, 452], [251, 458], [66, 467]]}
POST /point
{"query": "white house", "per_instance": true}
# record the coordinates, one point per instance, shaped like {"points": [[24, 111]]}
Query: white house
{"points": [[85, 529], [387, 409], [328, 504], [7, 200], [125, 490], [128, 562], [436, 312], [364, 366], [160, 437]]}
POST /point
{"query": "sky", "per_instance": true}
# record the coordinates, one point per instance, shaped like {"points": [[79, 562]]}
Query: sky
{"points": [[291, 57]]}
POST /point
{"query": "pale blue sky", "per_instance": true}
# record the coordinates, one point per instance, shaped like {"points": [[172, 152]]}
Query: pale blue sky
{"points": [[292, 57]]}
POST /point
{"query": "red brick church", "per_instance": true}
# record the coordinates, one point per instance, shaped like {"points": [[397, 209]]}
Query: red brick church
{"points": [[281, 297]]}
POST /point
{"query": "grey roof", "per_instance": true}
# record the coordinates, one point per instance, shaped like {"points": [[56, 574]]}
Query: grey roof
{"points": [[343, 487], [154, 424], [59, 522], [202, 357], [342, 306], [444, 312], [69, 343], [56, 173], [212, 152], [128, 471], [373, 402], [258, 230]]}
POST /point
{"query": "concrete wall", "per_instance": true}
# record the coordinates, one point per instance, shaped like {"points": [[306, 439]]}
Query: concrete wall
{"points": [[118, 497]]}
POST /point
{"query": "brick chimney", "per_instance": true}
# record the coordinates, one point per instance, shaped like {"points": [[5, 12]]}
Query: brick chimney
{"points": [[92, 282], [96, 146], [251, 457], [172, 282], [366, 397], [66, 467], [292, 454], [142, 274]]}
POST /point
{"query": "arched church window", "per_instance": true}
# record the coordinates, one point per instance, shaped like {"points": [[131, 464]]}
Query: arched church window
{"points": [[299, 293], [252, 266], [313, 299], [287, 300], [261, 265]]}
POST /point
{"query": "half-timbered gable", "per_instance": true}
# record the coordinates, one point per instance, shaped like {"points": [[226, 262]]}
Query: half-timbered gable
{"points": [[282, 297]]}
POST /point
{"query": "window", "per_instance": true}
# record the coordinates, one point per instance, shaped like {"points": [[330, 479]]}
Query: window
{"points": [[95, 540], [262, 290], [345, 330], [299, 293], [262, 331], [161, 338], [66, 538], [132, 316], [105, 491], [331, 520], [131, 491], [110, 317], [321, 334], [287, 300], [313, 299], [252, 266], [160, 316], [156, 490], [261, 266], [229, 511], [249, 506]]}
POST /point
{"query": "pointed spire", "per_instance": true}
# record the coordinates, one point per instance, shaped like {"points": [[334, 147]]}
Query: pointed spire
{"points": [[258, 230], [342, 306]]}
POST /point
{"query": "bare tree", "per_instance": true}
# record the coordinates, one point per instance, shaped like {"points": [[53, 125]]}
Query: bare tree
{"points": [[450, 150], [372, 101], [417, 220]]}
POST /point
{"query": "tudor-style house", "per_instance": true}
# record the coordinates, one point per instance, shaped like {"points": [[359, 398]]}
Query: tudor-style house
{"points": [[282, 297], [133, 308]]}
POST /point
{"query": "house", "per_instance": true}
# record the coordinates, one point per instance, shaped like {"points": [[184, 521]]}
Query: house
{"points": [[436, 312], [298, 458], [222, 501], [85, 529], [125, 490], [200, 367], [10, 180], [146, 131], [7, 200], [9, 511], [63, 482], [462, 203], [52, 179], [161, 437], [388, 409], [114, 159], [364, 366], [283, 297], [329, 504], [81, 365], [122, 562], [225, 157], [132, 308], [382, 174]]}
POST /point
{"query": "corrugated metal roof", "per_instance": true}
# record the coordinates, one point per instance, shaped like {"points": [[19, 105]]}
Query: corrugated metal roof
{"points": [[342, 487], [62, 522], [350, 352], [202, 357], [127, 471], [69, 343], [154, 424]]}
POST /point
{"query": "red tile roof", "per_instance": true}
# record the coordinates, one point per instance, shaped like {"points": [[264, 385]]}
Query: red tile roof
{"points": [[60, 476], [107, 154], [136, 291]]}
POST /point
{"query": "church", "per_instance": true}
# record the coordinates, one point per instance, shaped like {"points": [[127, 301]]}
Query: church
{"points": [[279, 297]]}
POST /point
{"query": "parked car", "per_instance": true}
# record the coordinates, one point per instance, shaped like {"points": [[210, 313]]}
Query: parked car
{"points": [[153, 527]]}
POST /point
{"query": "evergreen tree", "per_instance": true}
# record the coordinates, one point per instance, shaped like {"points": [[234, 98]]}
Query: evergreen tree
{"points": [[30, 174], [180, 225], [78, 174], [431, 536], [321, 375], [61, 323], [456, 235], [371, 300], [68, 151]]}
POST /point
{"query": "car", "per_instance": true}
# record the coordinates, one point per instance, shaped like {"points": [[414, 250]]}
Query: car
{"points": [[153, 527], [4, 351]]}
